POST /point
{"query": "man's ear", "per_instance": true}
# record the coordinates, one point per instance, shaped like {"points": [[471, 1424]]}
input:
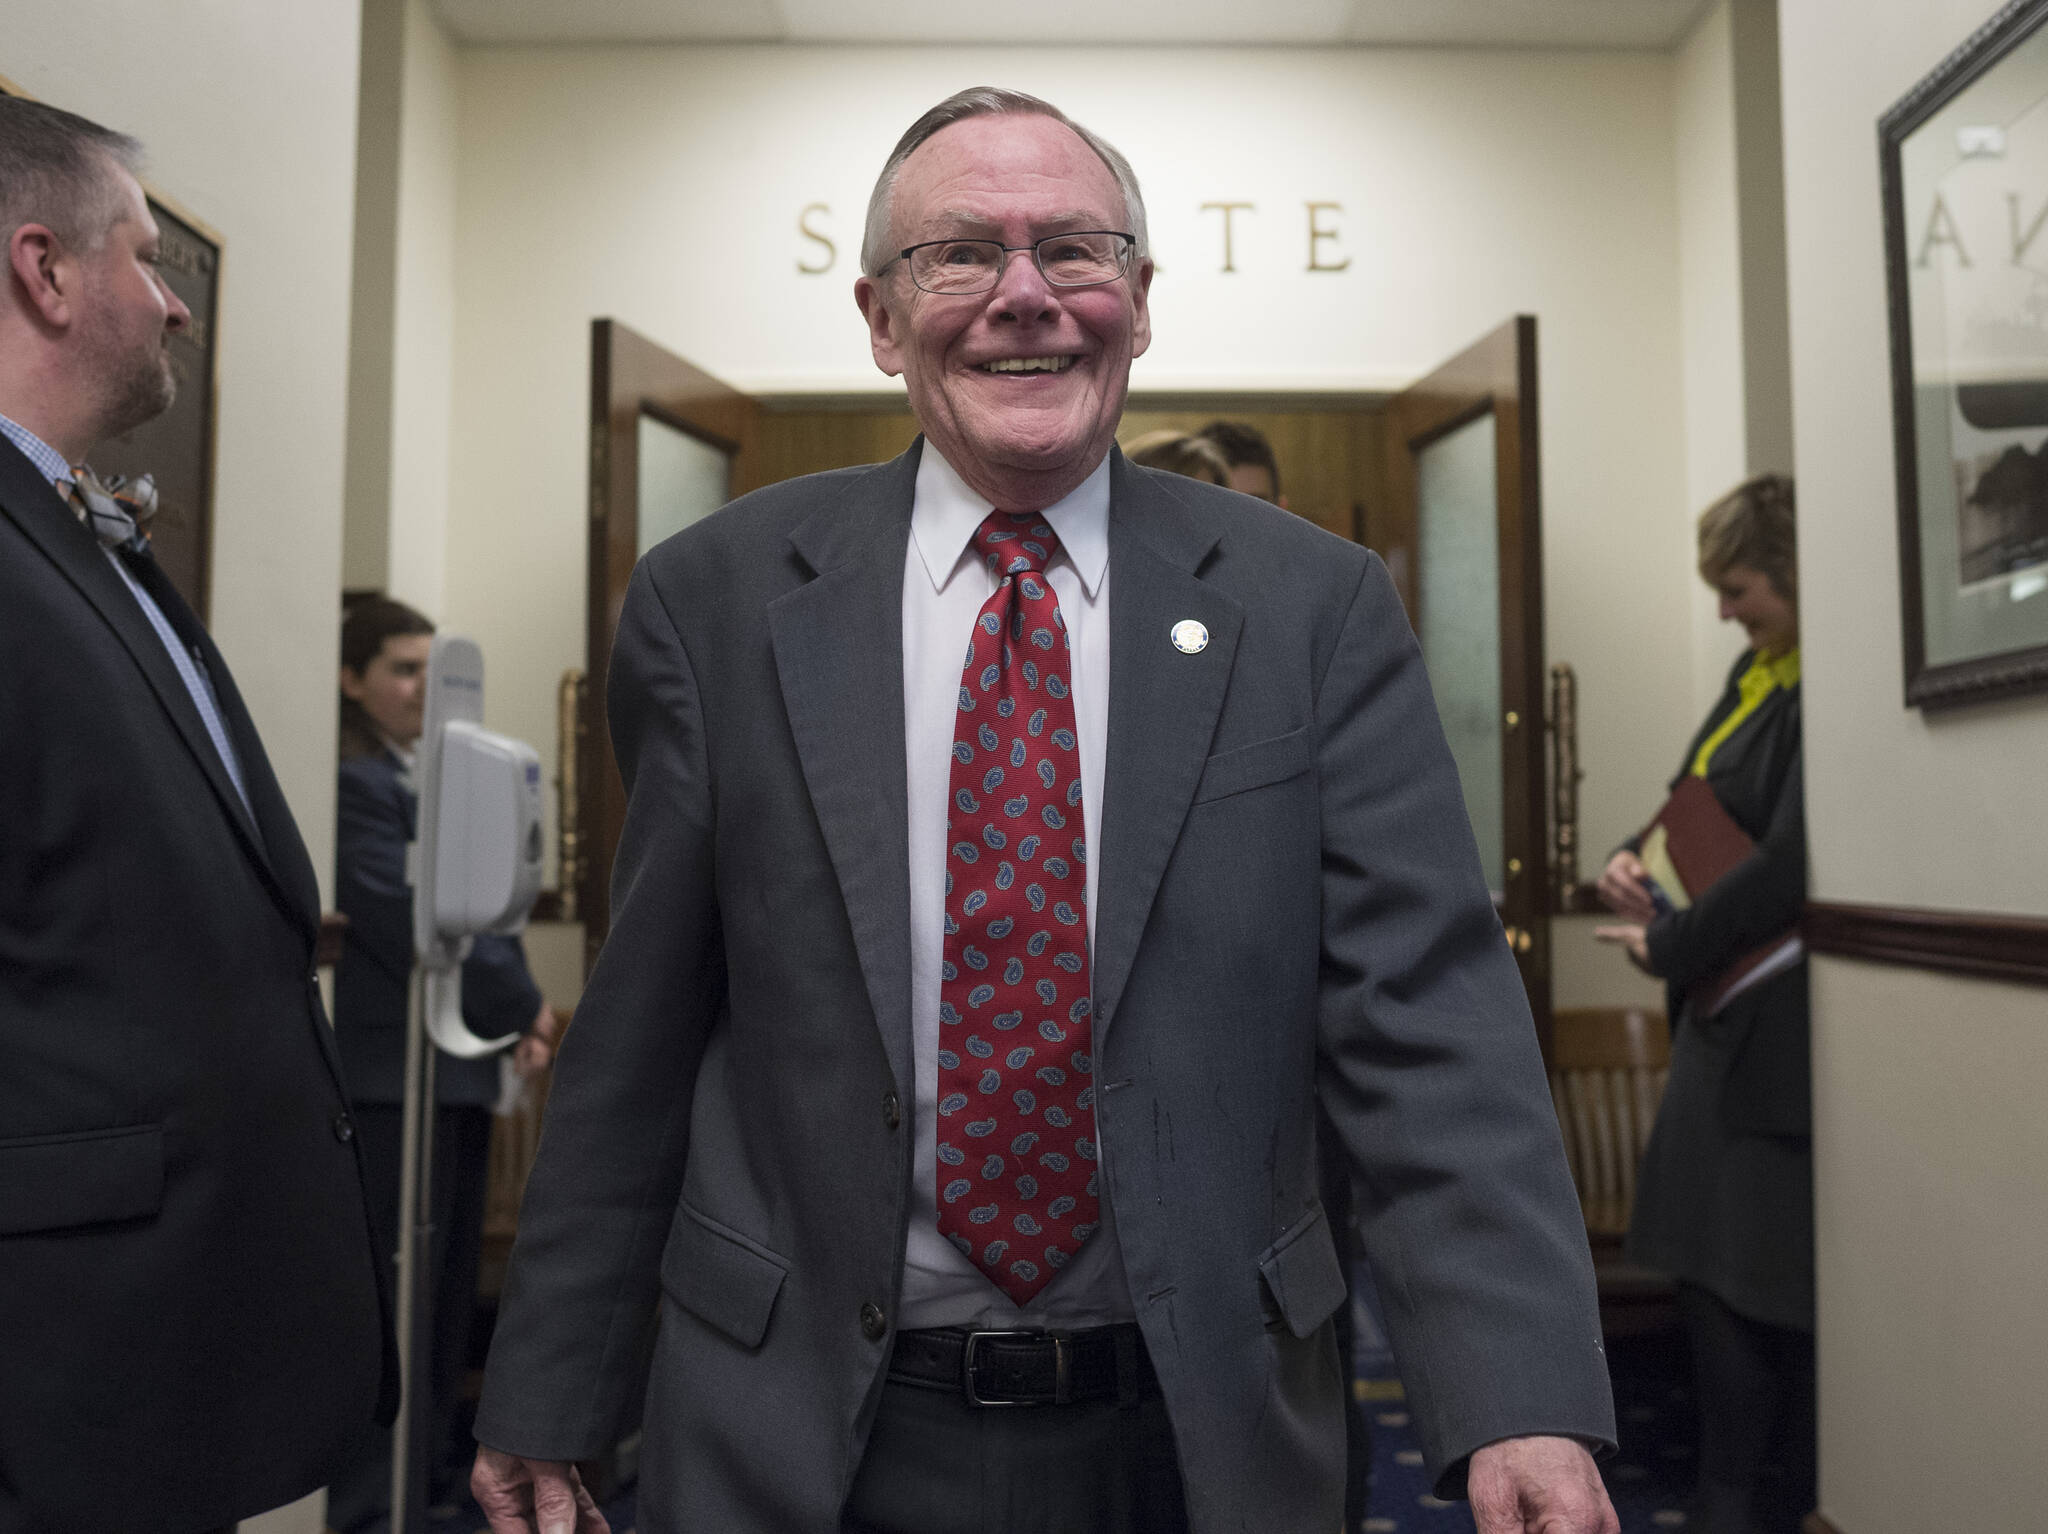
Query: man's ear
{"points": [[1141, 315], [883, 339], [45, 275], [351, 685]]}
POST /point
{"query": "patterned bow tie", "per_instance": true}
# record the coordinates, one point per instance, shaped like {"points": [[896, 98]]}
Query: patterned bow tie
{"points": [[117, 509]]}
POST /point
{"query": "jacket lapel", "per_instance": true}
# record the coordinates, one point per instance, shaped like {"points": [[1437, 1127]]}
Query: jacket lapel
{"points": [[838, 642], [1163, 704], [28, 500], [281, 850]]}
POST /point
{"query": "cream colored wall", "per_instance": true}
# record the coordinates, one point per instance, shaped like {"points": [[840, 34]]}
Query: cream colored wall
{"points": [[395, 534], [423, 316], [1931, 1152], [1710, 296], [1738, 408], [662, 185], [1932, 1182], [249, 115], [366, 462]]}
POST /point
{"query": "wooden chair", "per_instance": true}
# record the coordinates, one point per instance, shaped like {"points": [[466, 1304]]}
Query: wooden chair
{"points": [[1607, 1071]]}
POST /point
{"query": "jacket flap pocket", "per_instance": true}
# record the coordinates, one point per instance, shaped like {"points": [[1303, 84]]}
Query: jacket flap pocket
{"points": [[1303, 1274], [720, 1277], [1254, 766], [54, 1182]]}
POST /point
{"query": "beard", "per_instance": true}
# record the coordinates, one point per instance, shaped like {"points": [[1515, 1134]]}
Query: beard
{"points": [[139, 388], [132, 376]]}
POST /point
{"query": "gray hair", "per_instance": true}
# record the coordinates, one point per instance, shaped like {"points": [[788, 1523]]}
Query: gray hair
{"points": [[54, 170], [876, 251]]}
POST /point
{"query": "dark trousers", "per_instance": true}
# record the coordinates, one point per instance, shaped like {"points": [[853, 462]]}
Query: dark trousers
{"points": [[360, 1498], [937, 1465], [1755, 1384]]}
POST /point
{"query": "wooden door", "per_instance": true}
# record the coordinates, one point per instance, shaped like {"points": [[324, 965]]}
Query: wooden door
{"points": [[1460, 527], [668, 444]]}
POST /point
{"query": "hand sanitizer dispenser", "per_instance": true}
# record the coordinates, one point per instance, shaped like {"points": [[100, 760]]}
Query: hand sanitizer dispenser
{"points": [[476, 861]]}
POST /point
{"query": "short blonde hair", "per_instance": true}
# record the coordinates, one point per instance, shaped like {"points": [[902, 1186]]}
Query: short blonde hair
{"points": [[1178, 453], [1754, 525]]}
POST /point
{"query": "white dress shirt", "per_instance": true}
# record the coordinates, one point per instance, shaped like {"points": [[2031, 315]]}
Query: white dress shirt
{"points": [[945, 583]]}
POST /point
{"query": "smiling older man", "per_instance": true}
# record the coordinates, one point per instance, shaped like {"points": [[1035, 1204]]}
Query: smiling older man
{"points": [[1018, 843]]}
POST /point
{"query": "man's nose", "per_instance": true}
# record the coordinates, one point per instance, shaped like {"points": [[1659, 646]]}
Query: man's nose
{"points": [[1021, 290], [176, 315]]}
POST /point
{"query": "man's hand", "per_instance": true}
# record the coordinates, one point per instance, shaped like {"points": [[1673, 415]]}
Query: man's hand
{"points": [[1625, 889], [535, 1050], [533, 1496], [1634, 939], [1537, 1486]]}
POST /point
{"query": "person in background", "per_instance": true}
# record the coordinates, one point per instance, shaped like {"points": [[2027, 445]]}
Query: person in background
{"points": [[1256, 472], [384, 647], [192, 1330], [1725, 1201], [1253, 467], [1178, 453]]}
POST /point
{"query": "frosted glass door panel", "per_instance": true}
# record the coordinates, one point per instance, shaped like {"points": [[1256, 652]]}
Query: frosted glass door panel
{"points": [[1458, 561], [682, 480]]}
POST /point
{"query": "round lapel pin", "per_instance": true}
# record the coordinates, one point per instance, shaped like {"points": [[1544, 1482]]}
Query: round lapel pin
{"points": [[1190, 637]]}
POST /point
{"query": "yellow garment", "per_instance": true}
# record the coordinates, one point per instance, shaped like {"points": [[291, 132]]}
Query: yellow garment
{"points": [[1766, 674]]}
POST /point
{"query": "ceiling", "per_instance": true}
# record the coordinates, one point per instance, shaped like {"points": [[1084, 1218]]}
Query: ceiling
{"points": [[1635, 24]]}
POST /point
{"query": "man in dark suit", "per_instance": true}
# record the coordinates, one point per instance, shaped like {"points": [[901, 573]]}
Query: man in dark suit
{"points": [[193, 1330], [947, 1082]]}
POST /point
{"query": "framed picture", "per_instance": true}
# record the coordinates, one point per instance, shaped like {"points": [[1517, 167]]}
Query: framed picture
{"points": [[1964, 163], [176, 448]]}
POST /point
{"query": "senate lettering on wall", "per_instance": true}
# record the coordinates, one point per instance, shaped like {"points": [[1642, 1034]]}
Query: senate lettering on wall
{"points": [[1320, 222]]}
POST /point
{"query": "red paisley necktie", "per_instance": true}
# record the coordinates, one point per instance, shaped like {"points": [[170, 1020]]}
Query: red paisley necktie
{"points": [[1016, 1126]]}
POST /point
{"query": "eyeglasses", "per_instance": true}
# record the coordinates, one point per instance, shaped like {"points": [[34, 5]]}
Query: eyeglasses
{"points": [[961, 268]]}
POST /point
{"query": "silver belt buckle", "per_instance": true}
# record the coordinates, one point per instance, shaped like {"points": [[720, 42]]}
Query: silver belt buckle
{"points": [[1062, 1359]]}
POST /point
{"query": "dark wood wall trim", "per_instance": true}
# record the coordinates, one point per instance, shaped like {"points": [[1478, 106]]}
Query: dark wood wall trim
{"points": [[2013, 948], [333, 933], [1817, 1523]]}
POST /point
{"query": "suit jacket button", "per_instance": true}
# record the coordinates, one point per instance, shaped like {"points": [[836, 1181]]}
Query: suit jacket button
{"points": [[344, 1128], [873, 1324], [892, 1110]]}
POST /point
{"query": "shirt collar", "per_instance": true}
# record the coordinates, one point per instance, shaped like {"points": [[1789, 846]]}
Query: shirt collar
{"points": [[48, 461], [944, 513], [1782, 670]]}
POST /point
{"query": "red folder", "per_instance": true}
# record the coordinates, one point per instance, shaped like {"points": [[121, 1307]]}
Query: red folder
{"points": [[1703, 843]]}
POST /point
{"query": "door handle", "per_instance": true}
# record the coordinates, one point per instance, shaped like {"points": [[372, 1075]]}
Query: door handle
{"points": [[1519, 939]]}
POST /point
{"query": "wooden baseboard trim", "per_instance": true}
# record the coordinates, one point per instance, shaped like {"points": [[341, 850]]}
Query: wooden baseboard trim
{"points": [[1990, 947], [1817, 1523]]}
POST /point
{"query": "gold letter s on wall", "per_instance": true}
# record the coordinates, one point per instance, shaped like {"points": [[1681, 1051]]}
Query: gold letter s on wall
{"points": [[803, 227]]}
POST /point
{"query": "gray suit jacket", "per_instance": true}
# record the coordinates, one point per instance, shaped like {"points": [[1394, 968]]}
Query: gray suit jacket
{"points": [[1290, 903]]}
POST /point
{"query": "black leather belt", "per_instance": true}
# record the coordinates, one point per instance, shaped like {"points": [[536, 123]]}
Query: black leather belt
{"points": [[1028, 1368]]}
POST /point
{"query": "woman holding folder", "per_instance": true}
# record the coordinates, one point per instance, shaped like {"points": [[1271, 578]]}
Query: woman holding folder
{"points": [[1710, 896]]}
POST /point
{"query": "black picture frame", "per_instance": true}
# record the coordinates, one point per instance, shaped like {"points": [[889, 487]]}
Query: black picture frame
{"points": [[1963, 161]]}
